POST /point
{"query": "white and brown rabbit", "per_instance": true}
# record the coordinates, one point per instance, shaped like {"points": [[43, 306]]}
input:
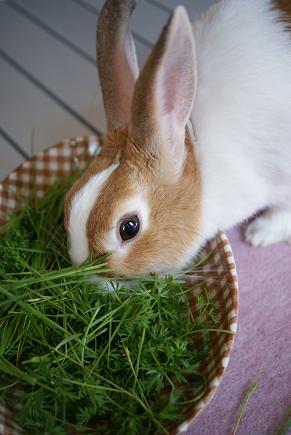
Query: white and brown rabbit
{"points": [[197, 141]]}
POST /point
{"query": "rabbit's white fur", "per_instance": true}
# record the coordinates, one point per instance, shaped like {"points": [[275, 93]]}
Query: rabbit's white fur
{"points": [[242, 118], [272, 227], [80, 209]]}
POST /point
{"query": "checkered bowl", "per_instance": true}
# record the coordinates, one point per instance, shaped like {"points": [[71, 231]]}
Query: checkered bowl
{"points": [[217, 274]]}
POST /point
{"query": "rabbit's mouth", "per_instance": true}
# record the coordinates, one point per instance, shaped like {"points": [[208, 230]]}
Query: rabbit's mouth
{"points": [[111, 283]]}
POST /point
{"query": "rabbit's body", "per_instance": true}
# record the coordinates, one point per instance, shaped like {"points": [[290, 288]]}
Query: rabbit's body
{"points": [[242, 111], [165, 192]]}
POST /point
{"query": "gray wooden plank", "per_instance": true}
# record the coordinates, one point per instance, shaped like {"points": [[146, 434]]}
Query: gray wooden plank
{"points": [[25, 109], [9, 158], [194, 7], [73, 24], [64, 72], [147, 20], [18, 148]]}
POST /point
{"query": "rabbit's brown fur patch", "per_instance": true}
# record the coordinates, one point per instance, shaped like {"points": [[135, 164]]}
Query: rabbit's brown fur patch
{"points": [[169, 202], [285, 7]]}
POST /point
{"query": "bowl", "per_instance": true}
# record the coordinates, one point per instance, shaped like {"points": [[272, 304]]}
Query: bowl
{"points": [[217, 273]]}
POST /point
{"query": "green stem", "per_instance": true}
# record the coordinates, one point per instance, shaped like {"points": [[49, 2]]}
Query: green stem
{"points": [[60, 274], [147, 406], [139, 354], [285, 423], [252, 388]]}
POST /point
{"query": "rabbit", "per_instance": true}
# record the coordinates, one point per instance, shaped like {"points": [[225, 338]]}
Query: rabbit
{"points": [[197, 142]]}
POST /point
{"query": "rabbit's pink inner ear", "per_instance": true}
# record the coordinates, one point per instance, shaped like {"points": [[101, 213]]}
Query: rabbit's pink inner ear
{"points": [[124, 74], [130, 55], [177, 72], [165, 91]]}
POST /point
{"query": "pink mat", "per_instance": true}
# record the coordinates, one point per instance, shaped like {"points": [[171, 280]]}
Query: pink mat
{"points": [[265, 315]]}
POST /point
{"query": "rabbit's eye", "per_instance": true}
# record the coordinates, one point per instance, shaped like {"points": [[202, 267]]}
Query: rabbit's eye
{"points": [[129, 227]]}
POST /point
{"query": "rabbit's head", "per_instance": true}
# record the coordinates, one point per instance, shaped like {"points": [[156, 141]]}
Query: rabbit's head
{"points": [[140, 199]]}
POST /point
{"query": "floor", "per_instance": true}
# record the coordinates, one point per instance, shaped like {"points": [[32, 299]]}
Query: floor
{"points": [[49, 91]]}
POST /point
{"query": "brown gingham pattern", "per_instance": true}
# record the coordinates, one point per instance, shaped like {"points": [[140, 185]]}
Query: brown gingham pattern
{"points": [[217, 274]]}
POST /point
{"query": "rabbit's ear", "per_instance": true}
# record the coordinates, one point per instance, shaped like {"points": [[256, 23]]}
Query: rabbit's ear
{"points": [[116, 61], [165, 90]]}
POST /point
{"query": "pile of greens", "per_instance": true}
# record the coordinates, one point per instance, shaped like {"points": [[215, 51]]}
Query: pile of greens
{"points": [[76, 357]]}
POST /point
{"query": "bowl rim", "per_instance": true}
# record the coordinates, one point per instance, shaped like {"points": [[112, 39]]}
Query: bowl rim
{"points": [[69, 154]]}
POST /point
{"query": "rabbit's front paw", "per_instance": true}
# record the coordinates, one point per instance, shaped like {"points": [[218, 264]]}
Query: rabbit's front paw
{"points": [[273, 226]]}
